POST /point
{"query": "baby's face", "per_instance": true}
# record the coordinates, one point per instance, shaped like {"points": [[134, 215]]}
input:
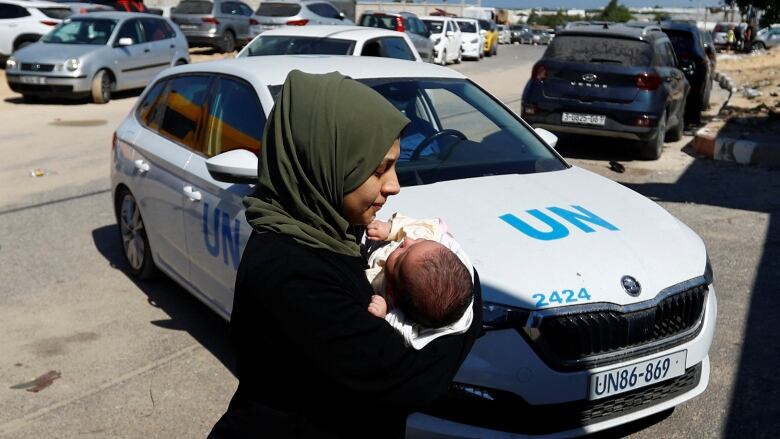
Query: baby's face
{"points": [[407, 256]]}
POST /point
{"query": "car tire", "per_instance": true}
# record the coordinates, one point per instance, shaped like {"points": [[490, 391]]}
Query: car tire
{"points": [[460, 57], [758, 45], [101, 87], [228, 43], [133, 238], [653, 147], [443, 61], [495, 50], [180, 62], [676, 133]]}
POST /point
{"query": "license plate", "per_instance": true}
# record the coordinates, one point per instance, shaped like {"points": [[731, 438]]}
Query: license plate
{"points": [[33, 79], [586, 119], [187, 26], [635, 376]]}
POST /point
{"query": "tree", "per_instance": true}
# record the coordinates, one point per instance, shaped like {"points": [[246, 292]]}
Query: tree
{"points": [[771, 9], [616, 12]]}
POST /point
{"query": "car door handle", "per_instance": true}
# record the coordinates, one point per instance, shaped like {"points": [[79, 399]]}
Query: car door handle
{"points": [[172, 46], [147, 50], [142, 166], [192, 194]]}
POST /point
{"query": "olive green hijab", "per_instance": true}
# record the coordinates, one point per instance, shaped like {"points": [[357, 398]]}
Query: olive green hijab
{"points": [[325, 136]]}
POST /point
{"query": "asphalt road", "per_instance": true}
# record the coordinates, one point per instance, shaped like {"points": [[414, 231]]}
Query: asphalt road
{"points": [[147, 360]]}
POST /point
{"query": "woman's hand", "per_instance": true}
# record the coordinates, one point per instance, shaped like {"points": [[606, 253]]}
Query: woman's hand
{"points": [[378, 230], [378, 306]]}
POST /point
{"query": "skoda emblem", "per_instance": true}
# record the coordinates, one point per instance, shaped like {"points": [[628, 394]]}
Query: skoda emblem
{"points": [[631, 285], [590, 77]]}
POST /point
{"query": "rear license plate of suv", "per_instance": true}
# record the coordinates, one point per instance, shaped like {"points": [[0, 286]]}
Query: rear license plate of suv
{"points": [[627, 378], [585, 119]]}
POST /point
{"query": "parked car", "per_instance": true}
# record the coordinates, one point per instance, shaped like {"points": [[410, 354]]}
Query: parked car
{"points": [[221, 24], [79, 7], [720, 33], [472, 40], [127, 6], [709, 49], [270, 15], [521, 33], [590, 320], [504, 34], [402, 22], [609, 80], [488, 30], [539, 36], [691, 51], [97, 54], [332, 40], [23, 22], [767, 38], [446, 38]]}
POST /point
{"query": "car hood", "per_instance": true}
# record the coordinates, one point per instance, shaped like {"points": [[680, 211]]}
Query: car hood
{"points": [[48, 53], [533, 234]]}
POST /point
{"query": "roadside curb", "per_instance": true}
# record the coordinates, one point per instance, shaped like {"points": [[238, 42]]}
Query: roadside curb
{"points": [[708, 143]]}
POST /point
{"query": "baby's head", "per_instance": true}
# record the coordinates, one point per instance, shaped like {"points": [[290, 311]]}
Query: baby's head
{"points": [[428, 282]]}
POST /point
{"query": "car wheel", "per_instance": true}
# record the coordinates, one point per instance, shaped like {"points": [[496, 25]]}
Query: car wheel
{"points": [[495, 49], [228, 42], [101, 87], [653, 147], [460, 57], [132, 235], [758, 45], [443, 61], [180, 62], [676, 133]]}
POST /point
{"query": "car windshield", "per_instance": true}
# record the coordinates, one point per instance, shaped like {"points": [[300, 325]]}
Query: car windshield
{"points": [[458, 131], [293, 45], [194, 7], [467, 27], [278, 9], [95, 31], [434, 26], [484, 24], [587, 49]]}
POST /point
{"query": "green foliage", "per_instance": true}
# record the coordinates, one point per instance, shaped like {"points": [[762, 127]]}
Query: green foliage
{"points": [[661, 16], [615, 12], [559, 18], [771, 9]]}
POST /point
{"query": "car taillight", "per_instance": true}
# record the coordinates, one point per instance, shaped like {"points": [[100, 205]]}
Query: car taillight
{"points": [[50, 22], [212, 20], [399, 24], [113, 144], [648, 81], [298, 22], [643, 121], [528, 110], [253, 22], [539, 73]]}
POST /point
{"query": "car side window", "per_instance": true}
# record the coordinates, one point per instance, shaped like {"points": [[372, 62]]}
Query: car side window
{"points": [[154, 29], [396, 47], [12, 11], [230, 8], [235, 119], [184, 110], [670, 54], [324, 10], [419, 27], [151, 107], [245, 9], [131, 29]]}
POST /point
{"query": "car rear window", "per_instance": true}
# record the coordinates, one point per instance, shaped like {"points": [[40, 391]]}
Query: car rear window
{"points": [[278, 9], [194, 7], [380, 21], [58, 13], [468, 27], [293, 45], [600, 50]]}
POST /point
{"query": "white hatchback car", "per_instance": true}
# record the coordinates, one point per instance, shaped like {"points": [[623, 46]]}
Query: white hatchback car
{"points": [[23, 22], [472, 40], [332, 40], [446, 38], [598, 309]]}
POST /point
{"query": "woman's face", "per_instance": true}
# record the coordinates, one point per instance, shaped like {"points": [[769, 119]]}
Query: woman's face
{"points": [[360, 206]]}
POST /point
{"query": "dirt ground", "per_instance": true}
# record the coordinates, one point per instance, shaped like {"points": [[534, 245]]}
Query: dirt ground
{"points": [[755, 106]]}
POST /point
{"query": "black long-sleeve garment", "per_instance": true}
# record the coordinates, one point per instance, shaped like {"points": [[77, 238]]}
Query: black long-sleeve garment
{"points": [[313, 362]]}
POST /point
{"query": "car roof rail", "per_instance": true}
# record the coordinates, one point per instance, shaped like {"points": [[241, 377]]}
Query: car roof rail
{"points": [[651, 28]]}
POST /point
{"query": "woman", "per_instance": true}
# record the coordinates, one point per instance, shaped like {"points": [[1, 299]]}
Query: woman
{"points": [[312, 361]]}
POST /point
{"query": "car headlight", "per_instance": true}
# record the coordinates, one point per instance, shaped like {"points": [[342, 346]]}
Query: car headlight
{"points": [[708, 275], [11, 64], [72, 64], [497, 316]]}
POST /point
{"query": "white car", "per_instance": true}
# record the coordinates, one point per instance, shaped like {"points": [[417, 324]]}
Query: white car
{"points": [[446, 38], [332, 40], [472, 40], [598, 308], [23, 22]]}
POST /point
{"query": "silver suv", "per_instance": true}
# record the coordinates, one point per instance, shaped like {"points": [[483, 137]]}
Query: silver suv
{"points": [[271, 15], [221, 24], [767, 37]]}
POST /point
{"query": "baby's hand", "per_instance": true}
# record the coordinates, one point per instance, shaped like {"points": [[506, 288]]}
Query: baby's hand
{"points": [[378, 306], [378, 230]]}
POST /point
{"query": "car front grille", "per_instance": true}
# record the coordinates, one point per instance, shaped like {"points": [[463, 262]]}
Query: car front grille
{"points": [[33, 67], [505, 411], [595, 338]]}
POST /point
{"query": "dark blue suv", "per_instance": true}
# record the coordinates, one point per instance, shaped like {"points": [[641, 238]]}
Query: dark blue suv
{"points": [[610, 80]]}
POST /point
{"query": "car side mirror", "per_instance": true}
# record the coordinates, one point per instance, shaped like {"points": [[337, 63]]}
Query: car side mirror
{"points": [[234, 166], [126, 41], [341, 16], [548, 137]]}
